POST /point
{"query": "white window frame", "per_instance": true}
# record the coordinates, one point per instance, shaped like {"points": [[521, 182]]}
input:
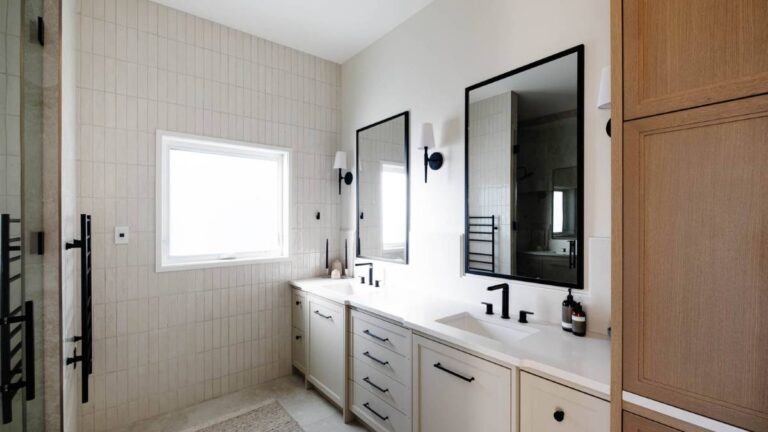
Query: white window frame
{"points": [[165, 142]]}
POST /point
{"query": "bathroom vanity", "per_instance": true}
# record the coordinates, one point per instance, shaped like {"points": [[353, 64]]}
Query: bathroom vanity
{"points": [[401, 363]]}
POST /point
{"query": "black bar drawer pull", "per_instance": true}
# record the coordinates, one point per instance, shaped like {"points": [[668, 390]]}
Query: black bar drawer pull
{"points": [[368, 380], [368, 407], [439, 366], [324, 316], [381, 362], [378, 338]]}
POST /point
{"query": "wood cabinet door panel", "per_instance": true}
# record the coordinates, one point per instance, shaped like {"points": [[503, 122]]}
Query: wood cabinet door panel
{"points": [[635, 423], [681, 54], [695, 260]]}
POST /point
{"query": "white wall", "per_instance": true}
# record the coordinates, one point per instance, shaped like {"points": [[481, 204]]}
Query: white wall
{"points": [[167, 341], [423, 66]]}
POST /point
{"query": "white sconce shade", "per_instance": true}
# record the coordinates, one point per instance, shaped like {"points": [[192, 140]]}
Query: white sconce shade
{"points": [[341, 160], [427, 136], [604, 96]]}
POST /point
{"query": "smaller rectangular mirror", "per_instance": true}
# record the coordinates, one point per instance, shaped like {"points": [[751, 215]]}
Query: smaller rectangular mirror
{"points": [[382, 190]]}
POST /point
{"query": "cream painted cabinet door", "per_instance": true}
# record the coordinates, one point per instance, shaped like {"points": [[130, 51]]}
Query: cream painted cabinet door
{"points": [[326, 348], [546, 406], [458, 392]]}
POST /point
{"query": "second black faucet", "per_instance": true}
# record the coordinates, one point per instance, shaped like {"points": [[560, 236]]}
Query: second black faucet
{"points": [[370, 272]]}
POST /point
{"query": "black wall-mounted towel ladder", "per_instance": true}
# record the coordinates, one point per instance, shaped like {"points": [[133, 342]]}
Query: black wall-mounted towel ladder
{"points": [[17, 354], [86, 306], [482, 232]]}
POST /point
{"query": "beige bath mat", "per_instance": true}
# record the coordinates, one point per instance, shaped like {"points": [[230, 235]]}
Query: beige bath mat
{"points": [[270, 417]]}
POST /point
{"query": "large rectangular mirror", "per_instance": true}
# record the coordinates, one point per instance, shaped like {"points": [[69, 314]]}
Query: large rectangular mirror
{"points": [[524, 172], [382, 190]]}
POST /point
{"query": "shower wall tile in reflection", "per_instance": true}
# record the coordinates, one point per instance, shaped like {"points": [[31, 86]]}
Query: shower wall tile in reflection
{"points": [[169, 340]]}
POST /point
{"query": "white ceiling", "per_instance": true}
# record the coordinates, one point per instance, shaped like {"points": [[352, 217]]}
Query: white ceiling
{"points": [[331, 29]]}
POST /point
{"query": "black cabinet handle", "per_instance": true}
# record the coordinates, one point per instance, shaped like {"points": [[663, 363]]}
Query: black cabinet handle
{"points": [[298, 302], [298, 337], [559, 415], [368, 407], [378, 338], [368, 380], [324, 316], [458, 375], [381, 362]]}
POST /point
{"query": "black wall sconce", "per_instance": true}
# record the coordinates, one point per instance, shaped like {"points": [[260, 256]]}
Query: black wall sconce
{"points": [[604, 95], [435, 160], [340, 163]]}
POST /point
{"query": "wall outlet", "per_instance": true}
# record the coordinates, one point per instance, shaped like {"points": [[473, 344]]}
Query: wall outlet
{"points": [[122, 235]]}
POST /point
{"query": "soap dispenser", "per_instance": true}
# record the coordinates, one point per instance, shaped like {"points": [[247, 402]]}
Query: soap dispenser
{"points": [[579, 320], [568, 303]]}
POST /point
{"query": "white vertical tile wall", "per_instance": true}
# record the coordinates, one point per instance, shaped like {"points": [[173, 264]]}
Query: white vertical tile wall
{"points": [[166, 341], [10, 105]]}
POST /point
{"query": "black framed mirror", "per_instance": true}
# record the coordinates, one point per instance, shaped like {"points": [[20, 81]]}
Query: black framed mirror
{"points": [[383, 191], [524, 168]]}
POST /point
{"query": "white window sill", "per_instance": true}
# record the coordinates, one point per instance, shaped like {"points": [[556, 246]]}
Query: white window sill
{"points": [[160, 268]]}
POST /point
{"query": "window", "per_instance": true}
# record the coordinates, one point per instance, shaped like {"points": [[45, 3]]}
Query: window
{"points": [[394, 189], [219, 202], [557, 212]]}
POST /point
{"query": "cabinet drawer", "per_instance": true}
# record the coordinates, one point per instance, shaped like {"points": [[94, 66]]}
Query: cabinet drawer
{"points": [[547, 406], [456, 391], [299, 309], [382, 333], [377, 414], [386, 388], [299, 349], [382, 360]]}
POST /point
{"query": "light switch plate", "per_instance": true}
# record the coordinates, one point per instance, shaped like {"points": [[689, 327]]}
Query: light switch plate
{"points": [[122, 235]]}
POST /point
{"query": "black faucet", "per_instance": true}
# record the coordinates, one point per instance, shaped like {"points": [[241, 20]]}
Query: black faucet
{"points": [[370, 271], [504, 298]]}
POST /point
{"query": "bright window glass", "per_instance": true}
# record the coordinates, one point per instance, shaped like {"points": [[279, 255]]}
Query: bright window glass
{"points": [[221, 202], [394, 188], [557, 211]]}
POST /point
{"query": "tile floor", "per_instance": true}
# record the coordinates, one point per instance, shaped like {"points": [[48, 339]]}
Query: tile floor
{"points": [[310, 410]]}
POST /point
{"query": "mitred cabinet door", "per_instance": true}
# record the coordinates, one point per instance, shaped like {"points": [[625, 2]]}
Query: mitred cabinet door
{"points": [[634, 423], [695, 260], [681, 54]]}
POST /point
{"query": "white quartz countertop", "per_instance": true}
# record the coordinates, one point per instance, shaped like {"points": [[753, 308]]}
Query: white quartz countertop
{"points": [[581, 361]]}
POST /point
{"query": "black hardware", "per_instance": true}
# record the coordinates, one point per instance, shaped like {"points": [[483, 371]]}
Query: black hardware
{"points": [[406, 145], [488, 308], [317, 312], [482, 226], [298, 337], [18, 320], [383, 418], [298, 302], [470, 267], [608, 127], [381, 362], [86, 312], [41, 31], [383, 390], [75, 359], [377, 283], [572, 254], [458, 375], [379, 338], [559, 415], [317, 215], [434, 161], [370, 272], [362, 279], [504, 298], [346, 177], [523, 318]]}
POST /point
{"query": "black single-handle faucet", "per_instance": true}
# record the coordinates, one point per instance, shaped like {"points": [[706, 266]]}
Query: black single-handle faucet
{"points": [[504, 298], [370, 271]]}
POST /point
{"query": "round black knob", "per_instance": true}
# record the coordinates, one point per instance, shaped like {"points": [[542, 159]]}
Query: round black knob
{"points": [[559, 415], [298, 303]]}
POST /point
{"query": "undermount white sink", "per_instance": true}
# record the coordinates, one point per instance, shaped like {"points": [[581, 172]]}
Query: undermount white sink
{"points": [[488, 327], [345, 287]]}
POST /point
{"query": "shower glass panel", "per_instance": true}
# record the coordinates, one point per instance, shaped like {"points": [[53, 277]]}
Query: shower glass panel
{"points": [[21, 108]]}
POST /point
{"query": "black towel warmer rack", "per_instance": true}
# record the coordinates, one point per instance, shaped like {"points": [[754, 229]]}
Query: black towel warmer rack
{"points": [[485, 227], [13, 322], [86, 306]]}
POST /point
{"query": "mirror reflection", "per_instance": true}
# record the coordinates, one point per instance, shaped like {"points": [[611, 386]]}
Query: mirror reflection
{"points": [[524, 171], [382, 189]]}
